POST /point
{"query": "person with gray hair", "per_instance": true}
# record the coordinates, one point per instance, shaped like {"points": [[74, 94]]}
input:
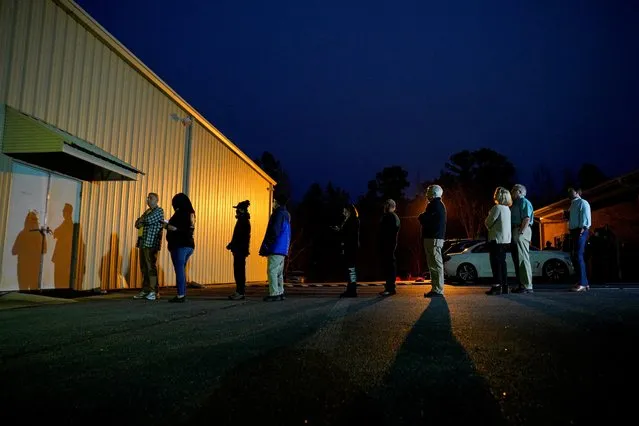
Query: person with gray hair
{"points": [[521, 217], [388, 231], [499, 227], [433, 222]]}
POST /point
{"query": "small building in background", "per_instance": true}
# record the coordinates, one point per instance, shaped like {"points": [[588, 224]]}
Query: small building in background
{"points": [[613, 246]]}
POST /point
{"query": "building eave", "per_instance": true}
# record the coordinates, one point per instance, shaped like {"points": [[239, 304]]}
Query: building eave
{"points": [[84, 19]]}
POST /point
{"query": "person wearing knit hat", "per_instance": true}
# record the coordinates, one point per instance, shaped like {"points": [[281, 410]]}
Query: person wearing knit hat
{"points": [[239, 246]]}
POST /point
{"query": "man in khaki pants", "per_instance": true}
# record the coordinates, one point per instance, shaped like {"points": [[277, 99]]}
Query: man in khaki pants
{"points": [[149, 227], [433, 222], [521, 216]]}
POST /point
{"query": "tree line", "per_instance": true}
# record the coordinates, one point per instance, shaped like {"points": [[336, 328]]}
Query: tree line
{"points": [[469, 179]]}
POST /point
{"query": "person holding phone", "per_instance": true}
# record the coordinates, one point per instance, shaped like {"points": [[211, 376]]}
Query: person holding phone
{"points": [[179, 237]]}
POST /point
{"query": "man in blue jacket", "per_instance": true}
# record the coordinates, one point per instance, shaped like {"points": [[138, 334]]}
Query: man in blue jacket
{"points": [[275, 247]]}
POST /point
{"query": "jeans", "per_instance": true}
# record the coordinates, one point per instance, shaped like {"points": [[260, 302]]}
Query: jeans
{"points": [[180, 256], [498, 263], [577, 253]]}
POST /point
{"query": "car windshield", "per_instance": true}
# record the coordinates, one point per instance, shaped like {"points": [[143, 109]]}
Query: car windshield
{"points": [[460, 246]]}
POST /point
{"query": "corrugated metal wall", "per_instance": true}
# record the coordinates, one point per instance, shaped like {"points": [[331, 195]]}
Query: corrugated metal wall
{"points": [[219, 180], [56, 70]]}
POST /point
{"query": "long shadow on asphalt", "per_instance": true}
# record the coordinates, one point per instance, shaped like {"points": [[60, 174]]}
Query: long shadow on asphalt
{"points": [[433, 381]]}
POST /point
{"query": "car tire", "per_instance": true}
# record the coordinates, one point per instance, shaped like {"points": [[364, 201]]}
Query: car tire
{"points": [[555, 271], [466, 273]]}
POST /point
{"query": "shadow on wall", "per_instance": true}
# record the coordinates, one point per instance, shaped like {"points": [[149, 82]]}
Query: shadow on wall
{"points": [[68, 237], [111, 266], [29, 247]]}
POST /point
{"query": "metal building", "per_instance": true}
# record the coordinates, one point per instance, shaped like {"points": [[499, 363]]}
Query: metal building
{"points": [[86, 131]]}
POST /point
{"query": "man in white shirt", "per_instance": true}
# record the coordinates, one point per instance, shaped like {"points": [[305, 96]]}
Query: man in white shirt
{"points": [[579, 223]]}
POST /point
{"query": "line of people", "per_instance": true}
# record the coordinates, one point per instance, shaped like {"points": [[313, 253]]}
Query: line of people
{"points": [[180, 229], [509, 225]]}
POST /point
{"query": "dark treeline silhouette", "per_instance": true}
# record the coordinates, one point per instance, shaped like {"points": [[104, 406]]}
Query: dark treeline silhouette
{"points": [[469, 179]]}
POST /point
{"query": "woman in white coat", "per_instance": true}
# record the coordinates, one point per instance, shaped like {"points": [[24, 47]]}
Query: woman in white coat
{"points": [[499, 236]]}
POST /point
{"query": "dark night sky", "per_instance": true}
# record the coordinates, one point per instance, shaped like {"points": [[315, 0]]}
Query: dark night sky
{"points": [[339, 89]]}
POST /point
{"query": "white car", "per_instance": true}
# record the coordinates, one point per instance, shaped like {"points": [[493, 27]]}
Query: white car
{"points": [[473, 262]]}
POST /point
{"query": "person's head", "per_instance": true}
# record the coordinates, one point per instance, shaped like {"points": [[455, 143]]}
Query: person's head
{"points": [[280, 200], [548, 244], [574, 193], [350, 211], [182, 203], [434, 191], [502, 197], [242, 208], [390, 206], [152, 200], [67, 211], [518, 191]]}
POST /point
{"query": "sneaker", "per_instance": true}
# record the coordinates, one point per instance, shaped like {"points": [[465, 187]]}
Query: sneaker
{"points": [[522, 290], [151, 296], [273, 298], [433, 294], [236, 296], [141, 295], [580, 288], [387, 293], [177, 299]]}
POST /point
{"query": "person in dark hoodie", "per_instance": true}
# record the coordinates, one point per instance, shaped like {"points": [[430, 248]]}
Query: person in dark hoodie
{"points": [[239, 246], [275, 247], [179, 236], [388, 231], [349, 232], [433, 222]]}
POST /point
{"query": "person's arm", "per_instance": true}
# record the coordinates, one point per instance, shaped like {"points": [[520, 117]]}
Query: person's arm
{"points": [[273, 231], [584, 217], [526, 214], [492, 217]]}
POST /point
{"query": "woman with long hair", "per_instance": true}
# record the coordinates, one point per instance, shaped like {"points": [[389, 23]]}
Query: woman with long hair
{"points": [[349, 231], [499, 239], [180, 240]]}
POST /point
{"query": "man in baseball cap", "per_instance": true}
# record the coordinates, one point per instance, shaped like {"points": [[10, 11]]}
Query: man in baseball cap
{"points": [[239, 246]]}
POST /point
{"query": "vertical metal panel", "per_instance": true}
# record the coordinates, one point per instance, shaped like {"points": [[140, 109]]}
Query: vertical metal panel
{"points": [[53, 68], [8, 14], [219, 180]]}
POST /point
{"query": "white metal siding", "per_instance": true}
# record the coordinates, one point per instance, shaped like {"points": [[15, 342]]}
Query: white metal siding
{"points": [[55, 69]]}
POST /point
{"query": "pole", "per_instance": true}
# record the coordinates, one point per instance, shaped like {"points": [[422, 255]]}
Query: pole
{"points": [[187, 156]]}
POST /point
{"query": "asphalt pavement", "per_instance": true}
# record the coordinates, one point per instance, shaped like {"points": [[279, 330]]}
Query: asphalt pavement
{"points": [[549, 358]]}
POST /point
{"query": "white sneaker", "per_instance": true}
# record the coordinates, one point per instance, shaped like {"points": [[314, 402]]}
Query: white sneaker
{"points": [[151, 296], [141, 295]]}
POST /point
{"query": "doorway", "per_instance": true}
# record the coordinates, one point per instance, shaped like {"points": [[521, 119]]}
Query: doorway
{"points": [[42, 234]]}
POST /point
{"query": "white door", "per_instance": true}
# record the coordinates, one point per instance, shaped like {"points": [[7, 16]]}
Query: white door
{"points": [[63, 212], [24, 238], [31, 249]]}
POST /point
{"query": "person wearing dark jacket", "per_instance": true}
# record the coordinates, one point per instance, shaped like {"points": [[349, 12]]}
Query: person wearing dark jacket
{"points": [[433, 222], [349, 233], [275, 247], [239, 246], [388, 231], [179, 238]]}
